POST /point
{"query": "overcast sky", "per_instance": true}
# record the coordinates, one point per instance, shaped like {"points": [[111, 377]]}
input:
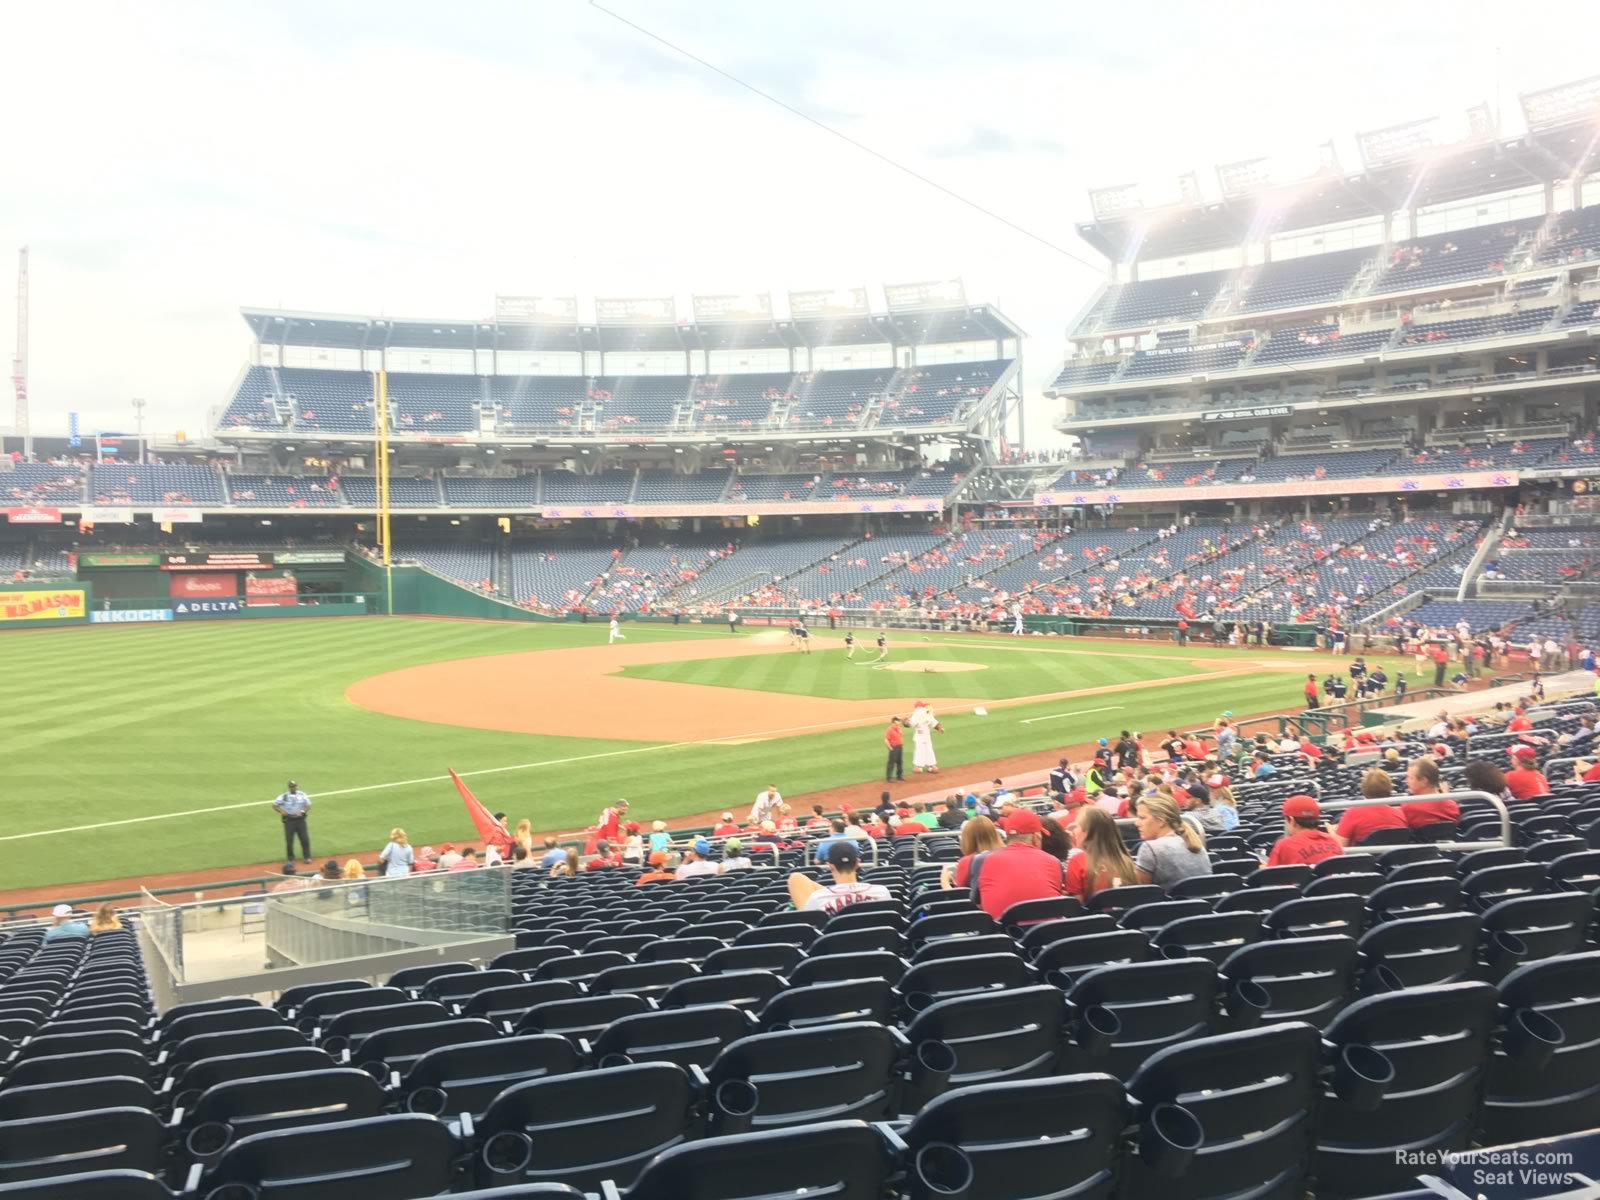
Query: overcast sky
{"points": [[169, 162]]}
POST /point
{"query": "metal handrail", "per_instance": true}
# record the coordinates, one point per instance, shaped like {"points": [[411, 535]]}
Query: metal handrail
{"points": [[1498, 804]]}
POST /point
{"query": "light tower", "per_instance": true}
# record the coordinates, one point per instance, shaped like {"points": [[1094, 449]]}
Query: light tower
{"points": [[19, 363]]}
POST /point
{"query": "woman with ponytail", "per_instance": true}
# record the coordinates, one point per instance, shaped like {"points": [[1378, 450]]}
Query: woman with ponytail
{"points": [[1170, 848], [1101, 860]]}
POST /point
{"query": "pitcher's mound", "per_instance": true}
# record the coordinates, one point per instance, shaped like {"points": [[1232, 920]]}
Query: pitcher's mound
{"points": [[934, 666]]}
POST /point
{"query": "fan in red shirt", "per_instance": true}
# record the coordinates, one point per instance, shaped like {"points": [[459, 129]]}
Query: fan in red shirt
{"points": [[1422, 779], [904, 826], [727, 827], [1588, 772], [610, 826], [1101, 859], [1020, 872], [1357, 824], [1304, 841], [1524, 780], [1519, 723]]}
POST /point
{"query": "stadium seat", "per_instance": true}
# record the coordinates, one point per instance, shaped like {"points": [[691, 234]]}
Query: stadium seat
{"points": [[1306, 979], [1418, 951], [1545, 1080], [1123, 1014], [91, 1185], [226, 1112], [842, 1160], [108, 1138], [825, 1072], [828, 1004], [404, 1155], [748, 990], [465, 1078], [686, 1037], [1006, 1035]]}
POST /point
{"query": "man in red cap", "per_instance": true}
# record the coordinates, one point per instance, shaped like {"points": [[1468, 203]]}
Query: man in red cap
{"points": [[1022, 871], [1524, 779], [1304, 841], [1422, 780]]}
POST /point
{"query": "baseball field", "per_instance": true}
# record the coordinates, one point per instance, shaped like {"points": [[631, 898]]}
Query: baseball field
{"points": [[144, 750]]}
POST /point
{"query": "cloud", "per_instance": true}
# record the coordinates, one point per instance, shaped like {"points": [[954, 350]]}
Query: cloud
{"points": [[980, 139]]}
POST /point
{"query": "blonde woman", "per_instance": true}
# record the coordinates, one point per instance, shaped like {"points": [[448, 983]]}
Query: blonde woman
{"points": [[354, 872], [105, 920], [1170, 848], [567, 866], [1102, 861], [524, 836], [397, 857], [978, 836]]}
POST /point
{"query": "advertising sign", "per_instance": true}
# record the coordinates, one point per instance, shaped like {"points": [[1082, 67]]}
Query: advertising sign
{"points": [[106, 516], [841, 302], [655, 310], [32, 515], [299, 558], [101, 561], [533, 309], [176, 516], [130, 616], [938, 293], [218, 560], [61, 604], [193, 586], [189, 610], [1247, 414], [749, 307], [276, 589]]}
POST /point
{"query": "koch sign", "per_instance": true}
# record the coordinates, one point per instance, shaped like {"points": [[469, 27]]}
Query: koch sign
{"points": [[189, 610], [129, 616], [1247, 414]]}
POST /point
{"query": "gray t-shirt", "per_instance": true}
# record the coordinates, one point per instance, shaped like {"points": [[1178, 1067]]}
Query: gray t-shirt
{"points": [[1167, 860]]}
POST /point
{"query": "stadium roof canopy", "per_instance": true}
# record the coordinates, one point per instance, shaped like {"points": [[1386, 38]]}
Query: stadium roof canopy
{"points": [[906, 327], [1404, 166]]}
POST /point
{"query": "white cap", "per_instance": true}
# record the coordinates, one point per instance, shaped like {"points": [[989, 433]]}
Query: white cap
{"points": [[61, 910]]}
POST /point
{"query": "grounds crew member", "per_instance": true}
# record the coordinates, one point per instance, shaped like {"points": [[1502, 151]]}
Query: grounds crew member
{"points": [[293, 806]]}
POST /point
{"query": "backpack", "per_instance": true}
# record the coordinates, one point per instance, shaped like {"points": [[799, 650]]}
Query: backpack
{"points": [[977, 866]]}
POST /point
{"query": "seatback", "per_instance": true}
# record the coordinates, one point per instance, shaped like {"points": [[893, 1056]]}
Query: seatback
{"points": [[837, 968], [583, 1017], [1542, 926], [1251, 1094], [1534, 1092], [1318, 916], [229, 1111], [91, 1185], [686, 1037], [1212, 937], [828, 1004], [1436, 1042], [324, 1006], [641, 979], [749, 990], [1030, 1139], [64, 1068], [1014, 1034], [1064, 962], [510, 1002], [398, 1048], [1154, 1004], [840, 1160], [928, 982], [120, 1138], [395, 1155], [584, 1127], [1306, 979], [466, 1078], [821, 1073], [52, 1099], [1423, 950]]}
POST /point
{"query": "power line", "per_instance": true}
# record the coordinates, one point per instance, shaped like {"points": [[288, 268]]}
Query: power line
{"points": [[845, 137]]}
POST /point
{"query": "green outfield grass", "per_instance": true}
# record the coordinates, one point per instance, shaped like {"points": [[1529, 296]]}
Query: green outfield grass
{"points": [[119, 724]]}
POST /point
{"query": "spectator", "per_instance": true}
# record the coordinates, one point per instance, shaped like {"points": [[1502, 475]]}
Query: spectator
{"points": [[734, 858], [553, 855], [815, 823], [1169, 849], [1524, 779], [105, 919], [605, 857], [953, 816], [660, 839], [1304, 841], [1102, 860], [696, 861], [1357, 824], [568, 866], [290, 881], [978, 836], [1261, 766], [1422, 779], [353, 872], [331, 872], [1021, 871], [466, 861], [661, 869], [66, 924], [1482, 775], [807, 895], [524, 837], [904, 826], [925, 817], [1055, 841], [448, 857], [396, 858]]}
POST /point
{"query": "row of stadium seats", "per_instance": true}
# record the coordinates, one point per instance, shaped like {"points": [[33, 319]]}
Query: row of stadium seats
{"points": [[314, 400]]}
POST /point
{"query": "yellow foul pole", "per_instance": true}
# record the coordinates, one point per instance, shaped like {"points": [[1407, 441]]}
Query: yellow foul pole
{"points": [[381, 425]]}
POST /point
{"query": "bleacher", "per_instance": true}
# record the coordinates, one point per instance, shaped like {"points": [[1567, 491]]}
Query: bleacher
{"points": [[935, 481], [865, 485], [1481, 616], [647, 401], [826, 398], [283, 491], [1075, 554], [1150, 302], [555, 577], [1462, 255], [328, 401], [664, 487], [1474, 328], [1312, 279], [537, 401], [740, 400], [774, 559], [1198, 473], [434, 404], [932, 395], [1186, 359], [1574, 237], [1080, 375], [254, 403], [845, 575], [362, 492], [1337, 464], [563, 487], [1318, 341], [518, 491], [1583, 313], [758, 488], [41, 483], [469, 563], [174, 484]]}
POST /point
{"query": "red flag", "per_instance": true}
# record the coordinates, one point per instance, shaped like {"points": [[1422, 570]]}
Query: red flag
{"points": [[488, 828]]}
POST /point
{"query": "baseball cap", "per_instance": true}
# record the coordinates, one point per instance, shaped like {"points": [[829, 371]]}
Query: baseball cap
{"points": [[1215, 781], [1022, 822], [61, 910], [1441, 748], [702, 847], [1298, 807], [292, 784], [727, 816], [631, 827], [844, 856], [1523, 751], [732, 846], [658, 858]]}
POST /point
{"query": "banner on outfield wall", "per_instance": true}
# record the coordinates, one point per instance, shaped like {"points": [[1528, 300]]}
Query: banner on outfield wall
{"points": [[32, 515], [129, 616], [189, 610], [101, 561], [218, 560], [176, 516], [306, 558], [106, 516], [1178, 493], [273, 589], [633, 512], [202, 586], [59, 604]]}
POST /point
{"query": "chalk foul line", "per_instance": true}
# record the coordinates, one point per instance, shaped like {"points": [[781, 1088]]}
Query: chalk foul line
{"points": [[1080, 712]]}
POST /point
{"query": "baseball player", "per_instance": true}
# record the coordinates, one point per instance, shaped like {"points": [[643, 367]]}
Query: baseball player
{"points": [[883, 646], [616, 632], [802, 637], [1017, 629], [849, 644]]}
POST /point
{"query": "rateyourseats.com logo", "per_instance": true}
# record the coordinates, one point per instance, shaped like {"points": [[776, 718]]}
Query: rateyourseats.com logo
{"points": [[1508, 1166]]}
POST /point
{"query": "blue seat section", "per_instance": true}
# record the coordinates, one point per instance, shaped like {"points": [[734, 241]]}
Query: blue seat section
{"points": [[1155, 301], [1321, 340], [468, 563], [284, 491], [563, 487], [939, 394], [822, 399], [1184, 358], [1465, 254], [663, 487], [555, 577], [134, 483], [772, 487], [362, 492], [737, 401], [537, 402], [638, 401], [434, 404], [1574, 237], [512, 491], [1083, 375], [1313, 279], [1469, 329], [41, 483], [1482, 616], [328, 401], [255, 404]]}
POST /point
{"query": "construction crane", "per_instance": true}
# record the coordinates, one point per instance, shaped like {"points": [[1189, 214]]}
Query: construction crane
{"points": [[19, 363]]}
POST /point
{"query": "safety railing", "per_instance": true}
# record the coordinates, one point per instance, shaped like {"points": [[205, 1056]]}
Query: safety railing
{"points": [[1499, 805]]}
